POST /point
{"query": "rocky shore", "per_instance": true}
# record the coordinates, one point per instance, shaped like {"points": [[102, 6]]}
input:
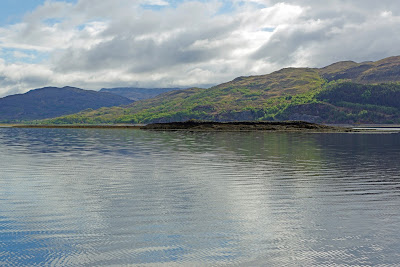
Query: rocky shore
{"points": [[245, 126], [73, 126]]}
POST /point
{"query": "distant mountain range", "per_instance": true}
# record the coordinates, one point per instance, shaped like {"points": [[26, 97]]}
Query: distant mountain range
{"points": [[50, 102], [136, 94], [344, 92]]}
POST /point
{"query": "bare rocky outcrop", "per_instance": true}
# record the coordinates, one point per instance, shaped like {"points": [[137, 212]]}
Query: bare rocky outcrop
{"points": [[193, 125]]}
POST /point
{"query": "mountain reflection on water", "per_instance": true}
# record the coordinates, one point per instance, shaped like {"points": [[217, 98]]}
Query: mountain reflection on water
{"points": [[113, 197]]}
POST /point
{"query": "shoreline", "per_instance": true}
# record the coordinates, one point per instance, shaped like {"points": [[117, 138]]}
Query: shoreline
{"points": [[243, 126], [81, 126]]}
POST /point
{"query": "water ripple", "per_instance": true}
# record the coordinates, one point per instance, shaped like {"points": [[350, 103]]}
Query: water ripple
{"points": [[97, 197]]}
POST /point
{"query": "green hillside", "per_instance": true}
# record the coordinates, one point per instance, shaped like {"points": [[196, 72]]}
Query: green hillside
{"points": [[135, 94], [382, 71], [344, 92]]}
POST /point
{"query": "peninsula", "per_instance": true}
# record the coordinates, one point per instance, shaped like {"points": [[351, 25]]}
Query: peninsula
{"points": [[194, 125], [289, 126]]}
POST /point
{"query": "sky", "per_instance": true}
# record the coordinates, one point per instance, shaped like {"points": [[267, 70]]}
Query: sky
{"points": [[93, 44]]}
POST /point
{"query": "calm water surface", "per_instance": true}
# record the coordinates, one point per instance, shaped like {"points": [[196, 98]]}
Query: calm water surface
{"points": [[101, 197]]}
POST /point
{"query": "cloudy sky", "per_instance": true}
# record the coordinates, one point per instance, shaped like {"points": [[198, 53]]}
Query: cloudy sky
{"points": [[167, 43]]}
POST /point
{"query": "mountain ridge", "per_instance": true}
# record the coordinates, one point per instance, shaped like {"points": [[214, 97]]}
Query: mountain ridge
{"points": [[48, 102], [384, 70], [312, 94]]}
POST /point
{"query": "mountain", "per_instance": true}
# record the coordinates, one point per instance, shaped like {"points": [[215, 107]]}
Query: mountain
{"points": [[382, 71], [344, 92], [51, 102], [136, 94]]}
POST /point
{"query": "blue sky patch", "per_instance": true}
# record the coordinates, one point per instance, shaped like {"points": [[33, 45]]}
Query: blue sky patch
{"points": [[12, 11], [13, 55], [268, 29], [53, 21]]}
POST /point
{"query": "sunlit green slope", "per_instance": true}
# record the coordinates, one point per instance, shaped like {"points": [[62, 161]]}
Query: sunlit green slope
{"points": [[344, 92]]}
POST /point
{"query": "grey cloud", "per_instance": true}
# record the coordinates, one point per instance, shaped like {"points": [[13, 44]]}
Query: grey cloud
{"points": [[137, 55], [285, 42], [132, 47], [348, 30], [193, 44], [351, 5], [14, 86], [375, 41]]}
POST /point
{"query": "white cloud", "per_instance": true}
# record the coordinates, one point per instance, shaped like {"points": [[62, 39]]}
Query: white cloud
{"points": [[156, 2], [93, 44]]}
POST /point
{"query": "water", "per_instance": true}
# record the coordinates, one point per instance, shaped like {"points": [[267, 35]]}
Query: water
{"points": [[102, 197]]}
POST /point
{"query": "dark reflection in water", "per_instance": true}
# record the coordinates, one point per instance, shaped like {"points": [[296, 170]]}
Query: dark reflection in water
{"points": [[113, 197]]}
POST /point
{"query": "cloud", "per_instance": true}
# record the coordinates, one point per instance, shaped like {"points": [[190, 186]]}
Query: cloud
{"points": [[94, 44], [156, 3], [329, 33]]}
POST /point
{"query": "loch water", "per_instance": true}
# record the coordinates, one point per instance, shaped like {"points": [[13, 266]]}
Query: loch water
{"points": [[114, 197]]}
